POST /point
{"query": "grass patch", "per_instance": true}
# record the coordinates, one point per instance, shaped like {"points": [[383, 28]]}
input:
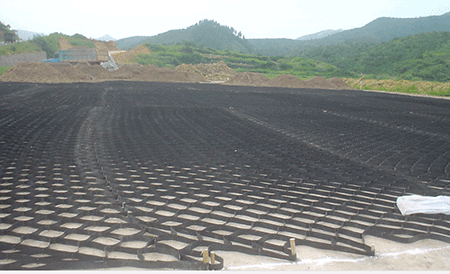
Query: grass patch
{"points": [[48, 43], [17, 48], [270, 66], [403, 86], [3, 69]]}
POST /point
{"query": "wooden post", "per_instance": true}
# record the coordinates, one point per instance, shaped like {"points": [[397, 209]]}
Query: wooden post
{"points": [[213, 257], [292, 242], [205, 256]]}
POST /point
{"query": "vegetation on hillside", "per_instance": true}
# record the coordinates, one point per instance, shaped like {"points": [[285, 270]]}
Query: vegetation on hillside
{"points": [[131, 42], [3, 69], [364, 51], [424, 56], [208, 33], [48, 43], [212, 34], [403, 86], [4, 29], [18, 48], [189, 53], [379, 30]]}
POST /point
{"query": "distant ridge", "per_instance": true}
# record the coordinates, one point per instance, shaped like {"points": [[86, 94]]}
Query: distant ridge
{"points": [[318, 35], [206, 32], [380, 30], [211, 34], [106, 38]]}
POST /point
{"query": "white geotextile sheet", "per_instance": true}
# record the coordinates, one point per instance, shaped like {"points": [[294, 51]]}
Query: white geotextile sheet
{"points": [[413, 204]]}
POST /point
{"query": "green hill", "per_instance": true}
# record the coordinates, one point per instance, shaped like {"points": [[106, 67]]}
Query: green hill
{"points": [[131, 42], [381, 49], [208, 33], [424, 56], [211, 34], [48, 43], [379, 30], [384, 29], [188, 53]]}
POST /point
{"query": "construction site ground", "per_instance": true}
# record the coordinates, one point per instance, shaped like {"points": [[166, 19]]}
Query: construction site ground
{"points": [[153, 175], [76, 72]]}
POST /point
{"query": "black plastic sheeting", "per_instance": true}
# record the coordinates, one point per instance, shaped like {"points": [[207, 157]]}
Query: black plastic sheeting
{"points": [[150, 175]]}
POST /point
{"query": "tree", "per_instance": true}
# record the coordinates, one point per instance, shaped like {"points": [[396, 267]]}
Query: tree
{"points": [[44, 45]]}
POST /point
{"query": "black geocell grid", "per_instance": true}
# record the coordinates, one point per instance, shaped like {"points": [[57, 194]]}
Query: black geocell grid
{"points": [[151, 174]]}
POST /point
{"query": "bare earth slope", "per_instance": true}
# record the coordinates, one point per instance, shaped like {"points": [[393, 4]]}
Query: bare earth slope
{"points": [[33, 72]]}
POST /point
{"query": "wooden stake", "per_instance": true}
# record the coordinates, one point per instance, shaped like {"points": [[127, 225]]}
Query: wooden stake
{"points": [[213, 257], [292, 242], [205, 256]]}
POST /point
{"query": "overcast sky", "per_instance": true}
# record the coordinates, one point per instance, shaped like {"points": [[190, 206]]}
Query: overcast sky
{"points": [[255, 19]]}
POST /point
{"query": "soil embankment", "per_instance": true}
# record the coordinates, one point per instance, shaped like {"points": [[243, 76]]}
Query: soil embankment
{"points": [[39, 72], [213, 73], [248, 79]]}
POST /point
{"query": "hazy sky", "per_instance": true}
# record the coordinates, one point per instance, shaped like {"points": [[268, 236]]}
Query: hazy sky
{"points": [[255, 19]]}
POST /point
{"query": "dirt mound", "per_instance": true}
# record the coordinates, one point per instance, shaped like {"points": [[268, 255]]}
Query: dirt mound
{"points": [[85, 72], [125, 57], [339, 83], [125, 72], [64, 44], [215, 72], [188, 68], [151, 73], [286, 81], [319, 82], [169, 75], [40, 72], [248, 79], [106, 46], [44, 73], [30, 72], [71, 72], [157, 74], [90, 69]]}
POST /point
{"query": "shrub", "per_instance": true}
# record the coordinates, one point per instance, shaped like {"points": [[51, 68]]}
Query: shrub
{"points": [[284, 66], [154, 47], [193, 58], [44, 45]]}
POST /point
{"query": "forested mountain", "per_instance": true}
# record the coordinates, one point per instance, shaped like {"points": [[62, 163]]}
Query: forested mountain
{"points": [[381, 49], [131, 42], [411, 48], [384, 29], [208, 33], [379, 30], [211, 34], [425, 56]]}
